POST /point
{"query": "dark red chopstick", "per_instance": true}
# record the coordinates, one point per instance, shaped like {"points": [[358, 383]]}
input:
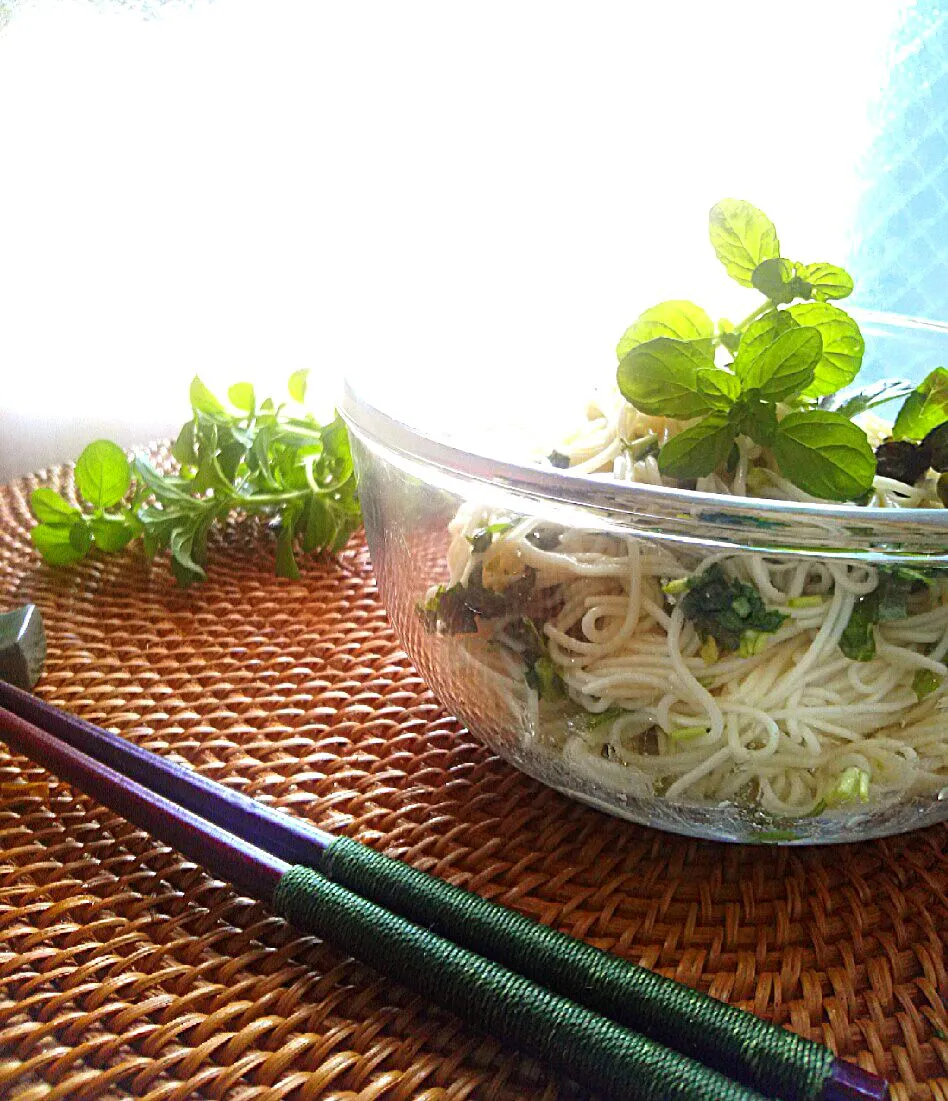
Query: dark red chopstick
{"points": [[599, 1053], [248, 843], [291, 839], [252, 870]]}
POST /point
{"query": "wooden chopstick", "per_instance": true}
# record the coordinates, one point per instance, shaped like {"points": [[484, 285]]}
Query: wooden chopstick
{"points": [[736, 1043], [291, 839], [250, 869], [596, 1052]]}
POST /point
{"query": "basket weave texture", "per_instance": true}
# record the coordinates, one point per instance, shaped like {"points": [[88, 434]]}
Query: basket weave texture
{"points": [[126, 971]]}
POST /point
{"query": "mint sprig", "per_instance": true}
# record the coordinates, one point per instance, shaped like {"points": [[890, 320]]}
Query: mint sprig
{"points": [[256, 459], [793, 350], [822, 452]]}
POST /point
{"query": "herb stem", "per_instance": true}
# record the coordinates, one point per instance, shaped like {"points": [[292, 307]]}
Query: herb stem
{"points": [[303, 428], [753, 315], [264, 499], [741, 326]]}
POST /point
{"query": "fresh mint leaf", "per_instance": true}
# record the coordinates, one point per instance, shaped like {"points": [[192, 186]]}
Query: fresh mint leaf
{"points": [[924, 409], [720, 388], [80, 538], [49, 508], [319, 526], [878, 393], [800, 355], [660, 378], [761, 333], [183, 560], [203, 401], [286, 564], [55, 544], [699, 450], [755, 418], [297, 385], [742, 237], [778, 280], [843, 346], [285, 468], [826, 281], [825, 454], [168, 490], [784, 368], [183, 450], [112, 534], [858, 640], [241, 396], [677, 318], [103, 474]]}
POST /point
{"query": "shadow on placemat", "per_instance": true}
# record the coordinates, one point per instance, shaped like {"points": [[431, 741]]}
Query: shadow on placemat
{"points": [[125, 971]]}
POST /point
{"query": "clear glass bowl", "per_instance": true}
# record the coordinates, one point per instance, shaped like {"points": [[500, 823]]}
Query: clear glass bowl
{"points": [[417, 467]]}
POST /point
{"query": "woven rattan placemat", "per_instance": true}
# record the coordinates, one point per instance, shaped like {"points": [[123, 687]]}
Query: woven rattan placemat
{"points": [[125, 971]]}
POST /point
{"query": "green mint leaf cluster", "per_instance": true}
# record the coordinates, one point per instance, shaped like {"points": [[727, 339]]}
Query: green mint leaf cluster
{"points": [[822, 452], [789, 355], [64, 534], [254, 458], [887, 602], [731, 612]]}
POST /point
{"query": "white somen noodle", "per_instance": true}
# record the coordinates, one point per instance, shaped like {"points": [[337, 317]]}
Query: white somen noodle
{"points": [[777, 728]]}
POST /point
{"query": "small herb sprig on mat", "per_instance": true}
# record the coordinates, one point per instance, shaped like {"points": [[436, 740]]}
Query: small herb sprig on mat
{"points": [[253, 459], [794, 356]]}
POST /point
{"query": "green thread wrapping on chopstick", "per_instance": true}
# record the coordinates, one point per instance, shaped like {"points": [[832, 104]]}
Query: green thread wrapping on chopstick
{"points": [[774, 1061], [597, 1052]]}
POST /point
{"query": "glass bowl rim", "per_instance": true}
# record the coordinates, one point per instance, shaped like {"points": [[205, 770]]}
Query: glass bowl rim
{"points": [[638, 499]]}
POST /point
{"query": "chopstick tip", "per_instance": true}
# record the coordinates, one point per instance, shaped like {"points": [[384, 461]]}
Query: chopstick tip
{"points": [[848, 1082]]}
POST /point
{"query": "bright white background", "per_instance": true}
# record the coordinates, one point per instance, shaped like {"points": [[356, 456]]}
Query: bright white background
{"points": [[241, 189]]}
